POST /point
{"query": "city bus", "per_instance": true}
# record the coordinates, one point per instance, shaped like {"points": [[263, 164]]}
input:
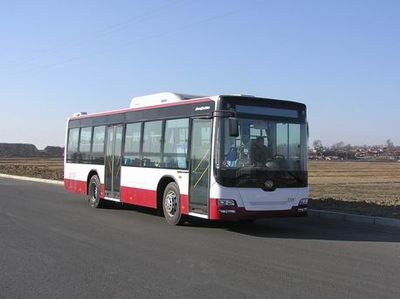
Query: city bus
{"points": [[225, 157]]}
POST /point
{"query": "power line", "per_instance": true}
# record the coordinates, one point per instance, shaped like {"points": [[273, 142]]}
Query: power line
{"points": [[146, 38], [106, 31]]}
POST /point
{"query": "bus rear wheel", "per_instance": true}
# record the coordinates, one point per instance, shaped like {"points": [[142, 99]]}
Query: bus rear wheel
{"points": [[172, 204], [94, 193]]}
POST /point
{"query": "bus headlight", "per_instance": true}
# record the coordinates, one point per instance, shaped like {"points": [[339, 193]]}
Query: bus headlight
{"points": [[226, 202], [303, 202]]}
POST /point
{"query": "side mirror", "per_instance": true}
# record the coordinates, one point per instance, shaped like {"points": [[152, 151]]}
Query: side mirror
{"points": [[233, 127]]}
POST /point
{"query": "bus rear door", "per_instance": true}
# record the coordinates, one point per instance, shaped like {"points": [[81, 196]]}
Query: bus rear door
{"points": [[113, 161]]}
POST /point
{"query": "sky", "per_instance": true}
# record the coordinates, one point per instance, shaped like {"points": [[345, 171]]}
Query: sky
{"points": [[340, 58]]}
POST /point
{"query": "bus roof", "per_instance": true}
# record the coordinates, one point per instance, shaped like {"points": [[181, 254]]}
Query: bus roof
{"points": [[160, 98], [165, 99], [149, 102]]}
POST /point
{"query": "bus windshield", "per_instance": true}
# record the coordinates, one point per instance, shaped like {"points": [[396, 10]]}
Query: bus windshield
{"points": [[265, 149]]}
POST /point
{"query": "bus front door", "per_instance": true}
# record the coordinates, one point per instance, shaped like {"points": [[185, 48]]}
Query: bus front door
{"points": [[200, 166], [113, 159]]}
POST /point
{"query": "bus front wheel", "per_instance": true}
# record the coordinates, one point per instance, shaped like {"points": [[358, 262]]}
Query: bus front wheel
{"points": [[94, 193], [172, 204]]}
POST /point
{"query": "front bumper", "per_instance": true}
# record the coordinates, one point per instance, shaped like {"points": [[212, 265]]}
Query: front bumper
{"points": [[233, 214]]}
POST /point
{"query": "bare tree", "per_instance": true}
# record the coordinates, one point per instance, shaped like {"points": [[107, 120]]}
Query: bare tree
{"points": [[389, 144], [338, 145], [317, 144]]}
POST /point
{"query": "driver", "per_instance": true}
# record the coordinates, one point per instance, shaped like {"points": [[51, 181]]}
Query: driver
{"points": [[258, 152]]}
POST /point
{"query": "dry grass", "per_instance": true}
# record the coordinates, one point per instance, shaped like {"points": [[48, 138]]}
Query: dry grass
{"points": [[371, 188], [370, 181]]}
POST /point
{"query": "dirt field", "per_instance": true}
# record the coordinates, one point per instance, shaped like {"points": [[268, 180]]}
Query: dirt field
{"points": [[369, 188], [45, 168]]}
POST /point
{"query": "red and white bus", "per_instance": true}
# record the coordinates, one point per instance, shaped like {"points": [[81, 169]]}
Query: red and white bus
{"points": [[227, 157]]}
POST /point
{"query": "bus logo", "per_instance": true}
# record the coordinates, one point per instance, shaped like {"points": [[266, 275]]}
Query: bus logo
{"points": [[269, 184], [202, 108]]}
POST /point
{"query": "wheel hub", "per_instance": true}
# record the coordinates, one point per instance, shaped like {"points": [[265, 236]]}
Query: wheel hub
{"points": [[170, 203], [94, 192]]}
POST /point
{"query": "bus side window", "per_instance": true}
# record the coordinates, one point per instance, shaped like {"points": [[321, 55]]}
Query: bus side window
{"points": [[176, 143], [152, 144], [132, 144], [84, 143], [97, 152], [72, 149]]}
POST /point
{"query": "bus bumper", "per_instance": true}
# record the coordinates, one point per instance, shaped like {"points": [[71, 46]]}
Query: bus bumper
{"points": [[240, 213]]}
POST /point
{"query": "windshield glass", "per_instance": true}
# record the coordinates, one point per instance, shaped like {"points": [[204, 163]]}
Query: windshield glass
{"points": [[264, 149]]}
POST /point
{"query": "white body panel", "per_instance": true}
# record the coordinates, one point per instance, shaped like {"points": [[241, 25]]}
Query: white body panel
{"points": [[80, 172], [148, 178]]}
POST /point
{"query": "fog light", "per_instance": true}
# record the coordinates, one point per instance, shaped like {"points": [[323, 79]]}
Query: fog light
{"points": [[226, 202], [303, 202]]}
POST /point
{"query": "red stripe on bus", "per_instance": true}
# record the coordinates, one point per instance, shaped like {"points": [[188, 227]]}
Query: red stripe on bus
{"points": [[213, 212], [102, 191], [184, 204], [140, 197], [185, 102], [75, 186], [148, 198]]}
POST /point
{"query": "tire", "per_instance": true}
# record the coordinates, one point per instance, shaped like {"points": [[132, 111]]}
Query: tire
{"points": [[172, 204], [94, 193]]}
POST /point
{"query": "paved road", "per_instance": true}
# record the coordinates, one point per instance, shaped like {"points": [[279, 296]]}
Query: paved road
{"points": [[53, 245]]}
